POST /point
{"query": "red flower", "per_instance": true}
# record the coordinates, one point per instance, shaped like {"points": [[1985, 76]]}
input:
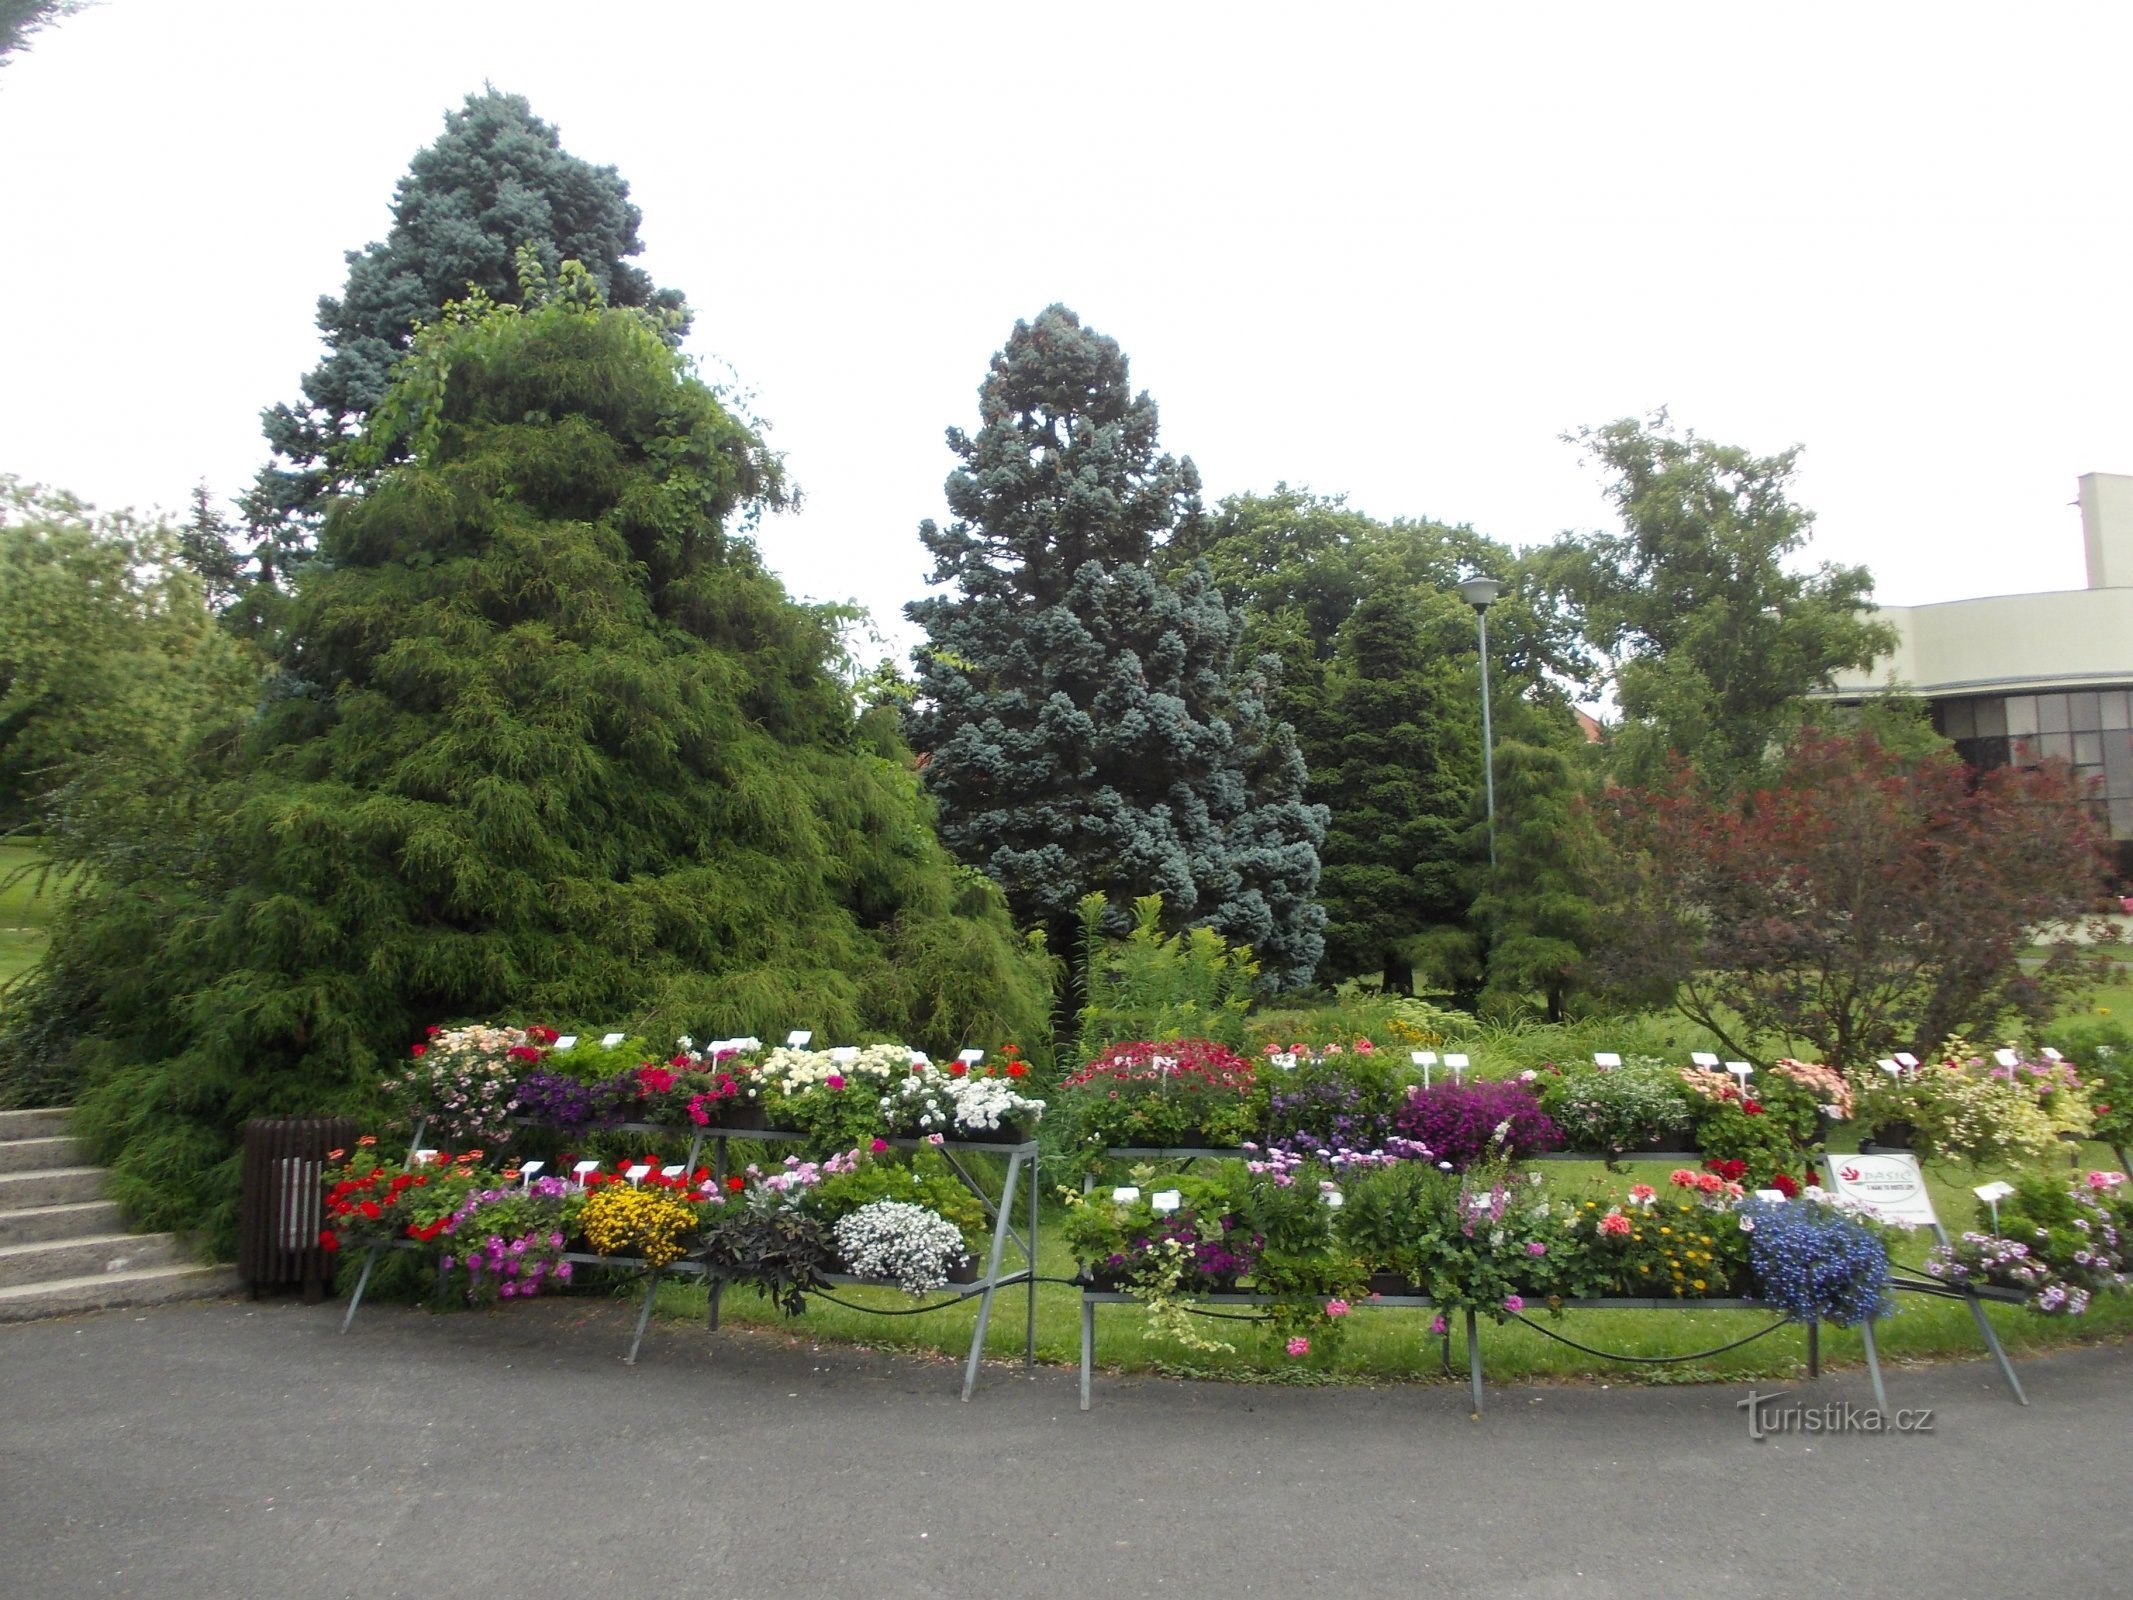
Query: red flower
{"points": [[1016, 1069], [542, 1036], [418, 1049], [523, 1052], [1750, 1108], [433, 1030], [1786, 1185], [328, 1239], [372, 1210], [957, 1068], [736, 1183]]}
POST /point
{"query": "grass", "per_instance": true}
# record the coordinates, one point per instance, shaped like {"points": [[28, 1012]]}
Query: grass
{"points": [[1394, 1346], [26, 908]]}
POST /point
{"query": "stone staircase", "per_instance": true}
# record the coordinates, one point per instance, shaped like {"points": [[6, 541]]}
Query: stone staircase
{"points": [[62, 1246]]}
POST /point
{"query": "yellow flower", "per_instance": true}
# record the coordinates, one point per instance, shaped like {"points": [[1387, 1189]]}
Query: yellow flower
{"points": [[1699, 1283]]}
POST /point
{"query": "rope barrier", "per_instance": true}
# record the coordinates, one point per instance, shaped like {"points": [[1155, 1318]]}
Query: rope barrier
{"points": [[1655, 1361]]}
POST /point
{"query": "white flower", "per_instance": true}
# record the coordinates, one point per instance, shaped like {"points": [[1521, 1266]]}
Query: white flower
{"points": [[905, 1243]]}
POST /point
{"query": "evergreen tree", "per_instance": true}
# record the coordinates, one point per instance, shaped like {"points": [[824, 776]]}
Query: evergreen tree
{"points": [[1400, 772], [551, 744], [1086, 723], [206, 546], [498, 178], [1536, 905]]}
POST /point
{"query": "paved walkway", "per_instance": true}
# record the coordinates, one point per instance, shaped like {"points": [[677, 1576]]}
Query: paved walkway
{"points": [[233, 1450]]}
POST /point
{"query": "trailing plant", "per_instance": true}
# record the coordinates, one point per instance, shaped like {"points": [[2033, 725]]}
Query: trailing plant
{"points": [[2059, 1245], [1816, 1263], [912, 1247]]}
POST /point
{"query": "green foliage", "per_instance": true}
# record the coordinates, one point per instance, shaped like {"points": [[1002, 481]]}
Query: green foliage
{"points": [[924, 1179], [550, 745], [1089, 725], [1402, 780], [1536, 905], [1710, 639], [497, 179], [1153, 985], [19, 19], [1610, 1110], [110, 669]]}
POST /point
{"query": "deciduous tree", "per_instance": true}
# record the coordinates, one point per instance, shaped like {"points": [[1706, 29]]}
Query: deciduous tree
{"points": [[1864, 902]]}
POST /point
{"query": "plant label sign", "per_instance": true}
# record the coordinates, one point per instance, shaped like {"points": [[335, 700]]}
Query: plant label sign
{"points": [[971, 1058], [565, 1042], [1886, 1186], [1607, 1058], [608, 1041], [2005, 1058], [798, 1038], [1704, 1058]]}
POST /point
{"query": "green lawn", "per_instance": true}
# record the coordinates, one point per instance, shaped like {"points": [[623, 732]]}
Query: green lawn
{"points": [[1395, 1346], [25, 911]]}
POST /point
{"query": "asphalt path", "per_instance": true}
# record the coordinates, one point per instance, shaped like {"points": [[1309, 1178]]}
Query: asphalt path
{"points": [[227, 1449]]}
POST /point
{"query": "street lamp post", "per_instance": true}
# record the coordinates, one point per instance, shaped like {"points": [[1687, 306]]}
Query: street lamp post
{"points": [[1481, 593]]}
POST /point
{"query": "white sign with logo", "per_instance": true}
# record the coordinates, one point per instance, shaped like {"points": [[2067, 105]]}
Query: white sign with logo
{"points": [[1888, 1186]]}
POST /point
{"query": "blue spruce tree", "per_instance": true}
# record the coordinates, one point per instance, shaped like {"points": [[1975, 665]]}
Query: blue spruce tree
{"points": [[1087, 724]]}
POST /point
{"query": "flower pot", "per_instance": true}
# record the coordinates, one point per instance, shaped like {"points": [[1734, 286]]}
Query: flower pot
{"points": [[969, 1272], [1008, 1132], [738, 1115]]}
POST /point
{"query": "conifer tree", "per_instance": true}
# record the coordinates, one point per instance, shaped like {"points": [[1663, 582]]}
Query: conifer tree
{"points": [[1401, 775], [497, 179], [551, 745], [1087, 725]]}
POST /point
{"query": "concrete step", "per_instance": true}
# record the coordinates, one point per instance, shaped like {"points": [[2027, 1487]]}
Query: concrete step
{"points": [[48, 1122], [54, 1186], [50, 1259], [145, 1286], [38, 1155], [80, 1219]]}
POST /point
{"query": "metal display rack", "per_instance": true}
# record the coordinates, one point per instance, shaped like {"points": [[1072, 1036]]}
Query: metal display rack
{"points": [[1093, 1296], [1021, 1161]]}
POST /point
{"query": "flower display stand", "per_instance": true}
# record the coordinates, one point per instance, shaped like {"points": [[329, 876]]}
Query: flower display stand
{"points": [[999, 1271], [576, 1257]]}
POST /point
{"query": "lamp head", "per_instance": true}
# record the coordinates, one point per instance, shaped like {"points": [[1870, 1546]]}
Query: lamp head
{"points": [[1480, 593]]}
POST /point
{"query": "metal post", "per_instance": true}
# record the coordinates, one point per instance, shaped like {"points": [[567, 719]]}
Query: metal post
{"points": [[1488, 734], [1873, 1367], [1473, 1357], [1002, 1225], [1029, 1336], [1088, 1344]]}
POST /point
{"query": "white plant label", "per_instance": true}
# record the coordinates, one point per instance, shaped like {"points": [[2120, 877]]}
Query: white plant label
{"points": [[674, 1171], [584, 1169], [526, 1169], [1703, 1058], [636, 1173], [971, 1058], [844, 1053], [2050, 1054], [1424, 1058], [1607, 1058], [1125, 1196], [564, 1042], [2005, 1058], [1887, 1185], [1166, 1199], [1456, 1063], [423, 1158], [608, 1041], [799, 1037], [1905, 1059]]}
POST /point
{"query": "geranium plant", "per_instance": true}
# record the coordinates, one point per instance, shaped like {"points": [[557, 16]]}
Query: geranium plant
{"points": [[1168, 1094], [465, 1080]]}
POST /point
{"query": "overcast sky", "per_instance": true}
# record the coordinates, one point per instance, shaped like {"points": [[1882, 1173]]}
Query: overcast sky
{"points": [[1392, 252]]}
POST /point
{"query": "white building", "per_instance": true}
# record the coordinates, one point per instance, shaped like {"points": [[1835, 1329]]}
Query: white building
{"points": [[2026, 677]]}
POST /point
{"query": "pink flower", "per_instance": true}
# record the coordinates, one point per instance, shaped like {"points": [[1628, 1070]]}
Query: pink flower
{"points": [[1536, 1248], [878, 1146], [1642, 1193], [1336, 1308], [1512, 1302], [1299, 1346], [1682, 1177], [1710, 1183], [1363, 1047], [1436, 1323], [1614, 1223], [935, 1138], [835, 1080]]}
